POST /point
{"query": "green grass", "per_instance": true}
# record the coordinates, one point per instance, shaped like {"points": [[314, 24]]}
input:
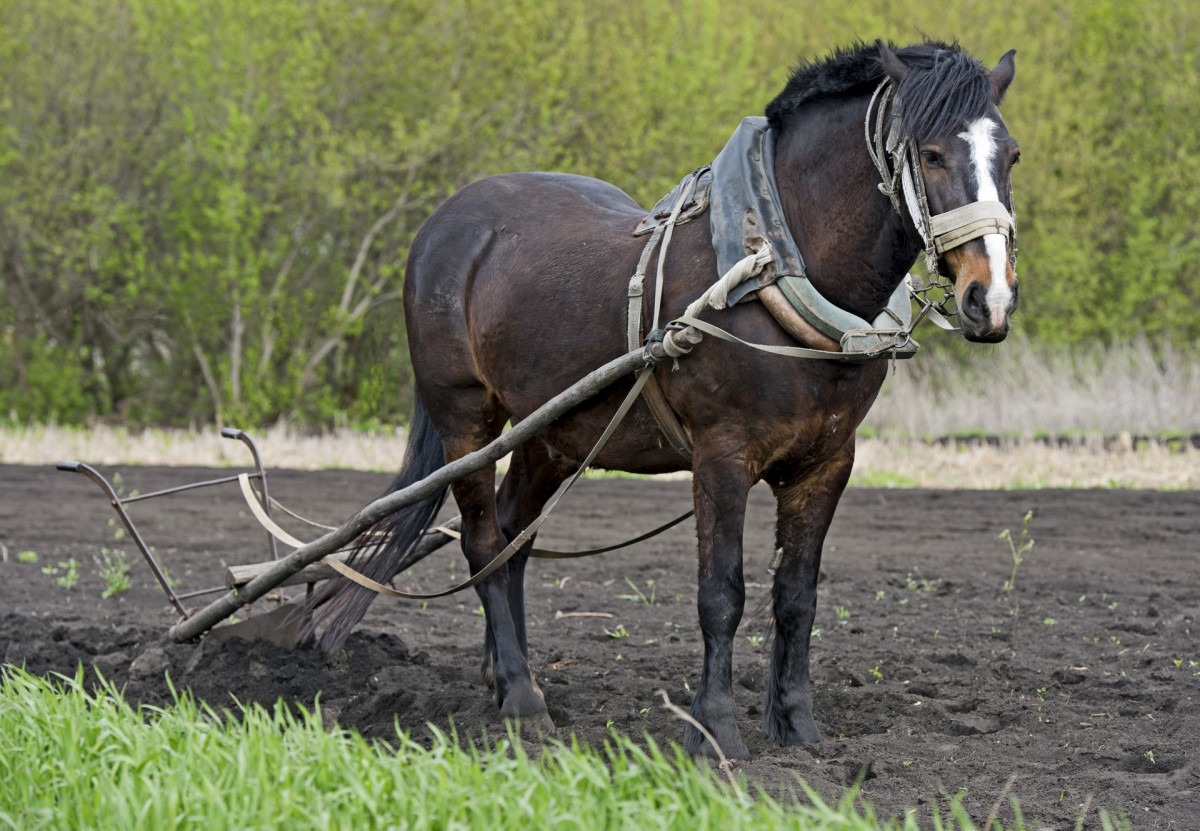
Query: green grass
{"points": [[76, 757], [881, 479]]}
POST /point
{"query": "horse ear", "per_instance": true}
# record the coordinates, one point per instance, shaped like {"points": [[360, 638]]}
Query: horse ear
{"points": [[893, 67], [1002, 76]]}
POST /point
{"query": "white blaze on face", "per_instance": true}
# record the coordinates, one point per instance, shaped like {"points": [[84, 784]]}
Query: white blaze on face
{"points": [[982, 143]]}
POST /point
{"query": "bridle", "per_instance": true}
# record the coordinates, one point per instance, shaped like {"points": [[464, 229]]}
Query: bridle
{"points": [[897, 158]]}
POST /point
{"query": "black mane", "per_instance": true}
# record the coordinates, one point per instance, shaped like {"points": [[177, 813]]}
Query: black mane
{"points": [[946, 87]]}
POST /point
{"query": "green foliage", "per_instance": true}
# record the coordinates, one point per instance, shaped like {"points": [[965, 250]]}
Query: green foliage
{"points": [[205, 205]]}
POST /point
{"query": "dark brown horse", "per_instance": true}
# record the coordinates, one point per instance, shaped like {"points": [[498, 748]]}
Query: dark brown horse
{"points": [[516, 288]]}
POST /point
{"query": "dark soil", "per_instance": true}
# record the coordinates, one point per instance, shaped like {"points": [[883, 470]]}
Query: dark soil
{"points": [[1079, 689]]}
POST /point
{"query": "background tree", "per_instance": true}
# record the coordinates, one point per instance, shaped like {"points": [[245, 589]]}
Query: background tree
{"points": [[205, 205]]}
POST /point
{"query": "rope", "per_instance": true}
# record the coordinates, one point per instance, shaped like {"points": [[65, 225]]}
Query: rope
{"points": [[275, 503], [717, 295]]}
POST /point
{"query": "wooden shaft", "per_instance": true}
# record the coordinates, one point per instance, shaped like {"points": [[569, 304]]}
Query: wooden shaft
{"points": [[581, 391]]}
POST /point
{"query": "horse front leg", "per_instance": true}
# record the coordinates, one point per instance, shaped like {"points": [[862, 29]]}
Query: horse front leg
{"points": [[719, 490], [805, 509]]}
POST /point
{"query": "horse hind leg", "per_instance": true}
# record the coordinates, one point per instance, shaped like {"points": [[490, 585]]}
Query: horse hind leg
{"points": [[532, 479], [483, 540]]}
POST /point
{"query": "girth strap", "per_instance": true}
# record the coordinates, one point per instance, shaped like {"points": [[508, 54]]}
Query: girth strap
{"points": [[656, 400]]}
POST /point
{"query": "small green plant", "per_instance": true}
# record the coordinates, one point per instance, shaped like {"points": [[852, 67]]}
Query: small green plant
{"points": [[842, 613], [755, 640], [619, 632], [29, 557], [113, 567], [1018, 549], [876, 672], [638, 595], [922, 583], [65, 573]]}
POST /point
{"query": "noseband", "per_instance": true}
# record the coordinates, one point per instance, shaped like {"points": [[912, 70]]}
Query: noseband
{"points": [[897, 159]]}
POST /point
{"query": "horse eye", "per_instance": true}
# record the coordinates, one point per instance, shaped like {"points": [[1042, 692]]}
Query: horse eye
{"points": [[1016, 159], [932, 158]]}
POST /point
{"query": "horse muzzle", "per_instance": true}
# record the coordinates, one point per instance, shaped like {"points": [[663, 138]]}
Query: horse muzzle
{"points": [[986, 299]]}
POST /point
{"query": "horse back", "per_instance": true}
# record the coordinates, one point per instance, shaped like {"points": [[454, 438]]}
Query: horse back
{"points": [[519, 282]]}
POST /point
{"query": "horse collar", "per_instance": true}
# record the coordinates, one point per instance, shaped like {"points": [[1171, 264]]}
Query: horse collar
{"points": [[746, 215]]}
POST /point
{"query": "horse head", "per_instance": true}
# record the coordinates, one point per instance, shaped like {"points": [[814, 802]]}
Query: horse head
{"points": [[951, 158]]}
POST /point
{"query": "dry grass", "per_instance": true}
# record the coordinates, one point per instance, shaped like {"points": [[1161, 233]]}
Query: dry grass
{"points": [[1013, 390], [1019, 388], [888, 462], [279, 446], [909, 463]]}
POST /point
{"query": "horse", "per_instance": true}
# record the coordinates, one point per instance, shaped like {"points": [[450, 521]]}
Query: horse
{"points": [[517, 286]]}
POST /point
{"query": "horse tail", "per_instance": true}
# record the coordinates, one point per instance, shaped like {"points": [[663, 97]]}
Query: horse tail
{"points": [[380, 551]]}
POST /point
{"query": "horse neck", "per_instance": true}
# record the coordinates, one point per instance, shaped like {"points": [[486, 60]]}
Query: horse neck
{"points": [[855, 248]]}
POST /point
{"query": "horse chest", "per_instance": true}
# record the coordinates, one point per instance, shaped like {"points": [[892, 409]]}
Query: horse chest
{"points": [[824, 417]]}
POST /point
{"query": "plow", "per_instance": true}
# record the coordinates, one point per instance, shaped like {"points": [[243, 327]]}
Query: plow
{"points": [[308, 563]]}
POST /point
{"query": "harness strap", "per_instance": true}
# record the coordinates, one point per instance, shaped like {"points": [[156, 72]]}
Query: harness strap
{"points": [[513, 547], [637, 283], [656, 400], [901, 338], [963, 224], [261, 515], [569, 555], [448, 529], [685, 195]]}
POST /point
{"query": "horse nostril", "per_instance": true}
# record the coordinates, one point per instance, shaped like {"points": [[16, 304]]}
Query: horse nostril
{"points": [[1016, 297], [975, 302]]}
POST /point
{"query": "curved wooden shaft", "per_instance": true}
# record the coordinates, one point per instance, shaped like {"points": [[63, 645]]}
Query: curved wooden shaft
{"points": [[227, 604]]}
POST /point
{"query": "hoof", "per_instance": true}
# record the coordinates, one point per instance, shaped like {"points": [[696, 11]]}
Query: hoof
{"points": [[730, 741], [786, 734], [532, 726], [799, 738], [527, 708]]}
